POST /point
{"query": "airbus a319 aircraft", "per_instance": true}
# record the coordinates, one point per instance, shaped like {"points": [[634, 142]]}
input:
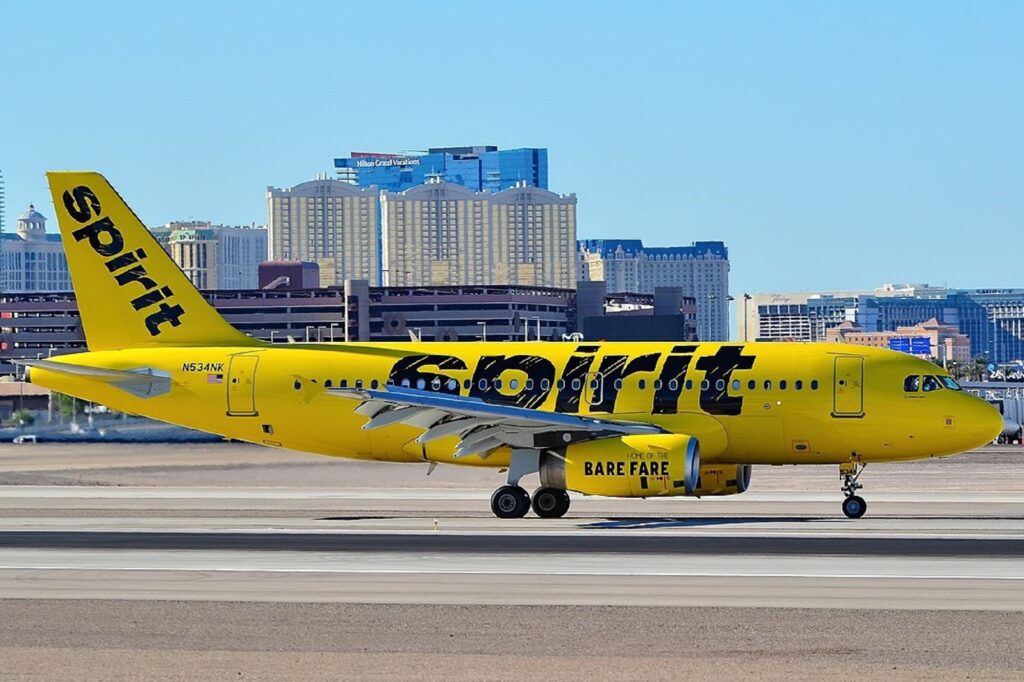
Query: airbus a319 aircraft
{"points": [[614, 419]]}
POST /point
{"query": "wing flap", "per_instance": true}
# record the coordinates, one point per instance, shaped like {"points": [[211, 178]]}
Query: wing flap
{"points": [[480, 426]]}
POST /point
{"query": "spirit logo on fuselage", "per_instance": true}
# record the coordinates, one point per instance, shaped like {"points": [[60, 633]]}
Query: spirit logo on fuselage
{"points": [[573, 384], [124, 264]]}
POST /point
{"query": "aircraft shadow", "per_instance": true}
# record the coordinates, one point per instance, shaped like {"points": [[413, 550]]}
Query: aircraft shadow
{"points": [[669, 522]]}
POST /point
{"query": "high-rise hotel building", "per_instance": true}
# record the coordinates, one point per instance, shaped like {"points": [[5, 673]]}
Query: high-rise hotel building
{"points": [[442, 233], [701, 270], [333, 223]]}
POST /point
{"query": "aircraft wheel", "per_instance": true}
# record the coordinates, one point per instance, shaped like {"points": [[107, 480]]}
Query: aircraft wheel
{"points": [[550, 503], [510, 502], [854, 507]]}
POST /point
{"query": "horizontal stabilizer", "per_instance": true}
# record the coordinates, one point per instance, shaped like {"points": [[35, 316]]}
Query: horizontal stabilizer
{"points": [[144, 382]]}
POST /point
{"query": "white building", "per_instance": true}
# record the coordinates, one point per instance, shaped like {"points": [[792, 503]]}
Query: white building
{"points": [[701, 270], [32, 260]]}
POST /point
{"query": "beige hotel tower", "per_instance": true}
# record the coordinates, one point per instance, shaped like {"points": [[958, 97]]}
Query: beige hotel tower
{"points": [[329, 222], [443, 233], [434, 234]]}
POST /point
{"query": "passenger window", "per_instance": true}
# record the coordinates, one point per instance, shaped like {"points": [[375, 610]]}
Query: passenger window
{"points": [[912, 384], [545, 384], [513, 384], [782, 385], [689, 384], [618, 384], [344, 383], [497, 384], [767, 384], [359, 383], [529, 384], [435, 385], [405, 383], [642, 384], [720, 385], [657, 384], [482, 384], [798, 384], [328, 384], [467, 384], [814, 384], [561, 384], [950, 383], [374, 384], [453, 385], [420, 383], [931, 384], [575, 384], [673, 385], [705, 385], [735, 384]]}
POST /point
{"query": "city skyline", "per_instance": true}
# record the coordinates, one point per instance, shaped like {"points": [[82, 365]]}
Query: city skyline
{"points": [[802, 135]]}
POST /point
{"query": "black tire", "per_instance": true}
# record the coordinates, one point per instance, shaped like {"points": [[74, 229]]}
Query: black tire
{"points": [[550, 503], [510, 502], [854, 507]]}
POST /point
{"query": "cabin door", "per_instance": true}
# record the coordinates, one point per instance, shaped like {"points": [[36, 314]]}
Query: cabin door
{"points": [[242, 386], [848, 387]]}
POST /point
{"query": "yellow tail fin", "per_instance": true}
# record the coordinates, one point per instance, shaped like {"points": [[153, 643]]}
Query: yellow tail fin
{"points": [[130, 293]]}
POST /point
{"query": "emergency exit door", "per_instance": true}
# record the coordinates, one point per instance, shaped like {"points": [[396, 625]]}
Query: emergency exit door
{"points": [[242, 386], [848, 387]]}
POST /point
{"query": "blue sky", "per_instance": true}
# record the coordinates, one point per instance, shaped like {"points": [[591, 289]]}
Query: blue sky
{"points": [[830, 145]]}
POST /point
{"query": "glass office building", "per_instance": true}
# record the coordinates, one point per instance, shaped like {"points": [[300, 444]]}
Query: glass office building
{"points": [[477, 168], [993, 319]]}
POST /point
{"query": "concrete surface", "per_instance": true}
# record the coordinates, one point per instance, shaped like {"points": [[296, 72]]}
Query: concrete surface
{"points": [[186, 562]]}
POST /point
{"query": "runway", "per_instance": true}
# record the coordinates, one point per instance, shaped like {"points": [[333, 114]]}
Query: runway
{"points": [[216, 532]]}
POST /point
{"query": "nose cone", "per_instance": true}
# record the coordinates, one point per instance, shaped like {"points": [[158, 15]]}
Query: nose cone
{"points": [[982, 423]]}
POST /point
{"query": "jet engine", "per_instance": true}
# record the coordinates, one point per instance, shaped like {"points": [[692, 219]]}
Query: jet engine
{"points": [[627, 466]]}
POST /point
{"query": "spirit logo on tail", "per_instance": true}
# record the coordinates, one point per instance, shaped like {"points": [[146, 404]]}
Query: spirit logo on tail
{"points": [[126, 265]]}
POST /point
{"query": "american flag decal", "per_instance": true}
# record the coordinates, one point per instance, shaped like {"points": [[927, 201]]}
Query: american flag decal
{"points": [[215, 378]]}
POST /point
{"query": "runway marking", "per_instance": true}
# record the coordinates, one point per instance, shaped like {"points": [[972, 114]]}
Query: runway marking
{"points": [[605, 574]]}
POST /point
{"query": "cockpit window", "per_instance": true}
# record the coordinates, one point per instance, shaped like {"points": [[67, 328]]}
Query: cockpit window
{"points": [[912, 384], [950, 383], [931, 384]]}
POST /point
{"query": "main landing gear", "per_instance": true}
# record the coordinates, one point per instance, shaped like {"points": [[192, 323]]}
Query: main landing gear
{"points": [[512, 502], [854, 505]]}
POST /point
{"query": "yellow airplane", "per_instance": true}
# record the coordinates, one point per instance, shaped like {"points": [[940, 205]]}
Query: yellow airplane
{"points": [[613, 419]]}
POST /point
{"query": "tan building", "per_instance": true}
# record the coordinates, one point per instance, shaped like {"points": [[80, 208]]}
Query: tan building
{"points": [[930, 339], [331, 223], [437, 234], [215, 256], [441, 233], [195, 252]]}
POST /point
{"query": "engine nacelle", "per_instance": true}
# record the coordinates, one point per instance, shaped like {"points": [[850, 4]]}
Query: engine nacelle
{"points": [[628, 466], [723, 479]]}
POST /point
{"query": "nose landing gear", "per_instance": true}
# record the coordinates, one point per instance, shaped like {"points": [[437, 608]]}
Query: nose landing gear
{"points": [[854, 505]]}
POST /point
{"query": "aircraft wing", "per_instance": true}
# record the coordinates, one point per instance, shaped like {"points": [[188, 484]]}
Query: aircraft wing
{"points": [[480, 426]]}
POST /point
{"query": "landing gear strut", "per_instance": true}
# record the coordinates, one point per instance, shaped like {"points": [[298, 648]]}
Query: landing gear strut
{"points": [[854, 505]]}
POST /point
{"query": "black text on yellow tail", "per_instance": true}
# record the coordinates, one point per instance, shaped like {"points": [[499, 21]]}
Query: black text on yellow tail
{"points": [[130, 293]]}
